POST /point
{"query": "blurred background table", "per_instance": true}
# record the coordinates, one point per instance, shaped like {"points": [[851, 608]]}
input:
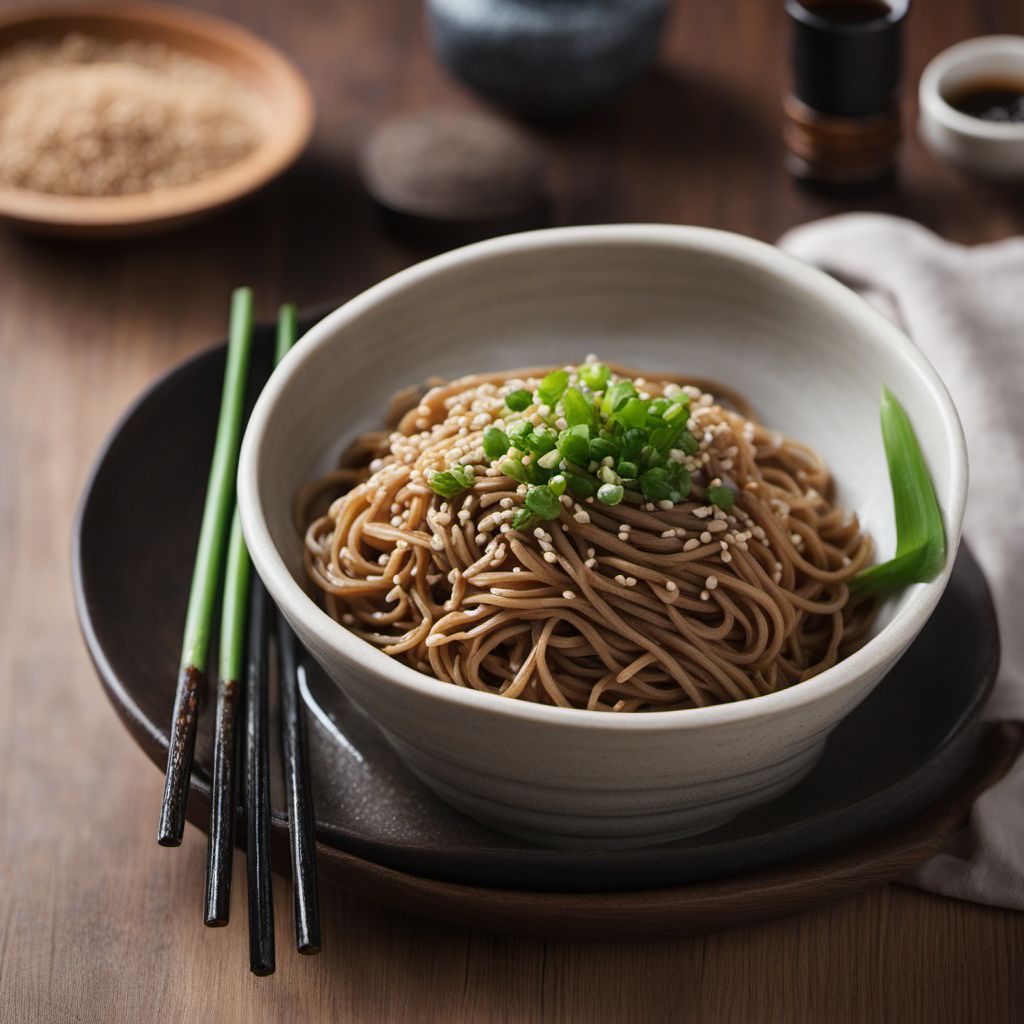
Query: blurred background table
{"points": [[99, 924]]}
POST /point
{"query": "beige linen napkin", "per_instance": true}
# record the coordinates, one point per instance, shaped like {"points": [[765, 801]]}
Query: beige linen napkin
{"points": [[964, 308]]}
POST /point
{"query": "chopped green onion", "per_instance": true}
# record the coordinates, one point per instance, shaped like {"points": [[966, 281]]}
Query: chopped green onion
{"points": [[632, 414], [920, 537], [627, 470], [519, 400], [513, 469], [581, 486], [655, 484], [496, 443], [541, 441], [680, 478], [721, 496], [576, 409], [551, 387], [602, 448], [595, 376], [688, 443], [557, 484], [608, 475], [610, 494], [543, 503], [617, 396], [677, 412], [550, 459], [523, 520], [574, 443], [632, 443], [450, 482]]}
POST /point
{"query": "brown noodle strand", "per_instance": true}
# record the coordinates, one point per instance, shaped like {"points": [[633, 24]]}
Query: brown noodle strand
{"points": [[625, 608]]}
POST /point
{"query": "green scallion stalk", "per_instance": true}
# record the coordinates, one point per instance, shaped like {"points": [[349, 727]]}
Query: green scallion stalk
{"points": [[920, 537]]}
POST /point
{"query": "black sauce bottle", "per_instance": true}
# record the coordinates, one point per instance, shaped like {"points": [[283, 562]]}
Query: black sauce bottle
{"points": [[842, 117]]}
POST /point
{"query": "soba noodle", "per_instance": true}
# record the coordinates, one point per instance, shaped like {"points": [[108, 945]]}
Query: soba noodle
{"points": [[735, 589]]}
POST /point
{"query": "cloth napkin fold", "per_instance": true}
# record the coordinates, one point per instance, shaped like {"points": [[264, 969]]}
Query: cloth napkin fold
{"points": [[964, 308]]}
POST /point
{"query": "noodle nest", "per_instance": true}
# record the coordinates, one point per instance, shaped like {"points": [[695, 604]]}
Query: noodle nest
{"points": [[638, 606]]}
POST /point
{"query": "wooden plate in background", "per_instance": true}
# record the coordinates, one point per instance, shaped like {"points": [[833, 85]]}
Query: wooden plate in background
{"points": [[257, 65]]}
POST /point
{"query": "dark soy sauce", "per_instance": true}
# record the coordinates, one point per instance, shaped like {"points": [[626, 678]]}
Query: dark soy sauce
{"points": [[849, 11], [996, 101]]}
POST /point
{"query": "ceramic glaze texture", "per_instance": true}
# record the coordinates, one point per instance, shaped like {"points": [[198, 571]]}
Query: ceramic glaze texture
{"points": [[809, 354]]}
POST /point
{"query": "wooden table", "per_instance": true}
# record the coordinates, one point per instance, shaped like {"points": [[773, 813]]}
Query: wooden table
{"points": [[99, 924]]}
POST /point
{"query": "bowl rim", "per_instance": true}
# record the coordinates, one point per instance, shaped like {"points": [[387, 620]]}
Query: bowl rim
{"points": [[934, 104], [278, 149], [361, 656]]}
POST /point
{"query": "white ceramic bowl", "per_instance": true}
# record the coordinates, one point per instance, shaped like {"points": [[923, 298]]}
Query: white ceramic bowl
{"points": [[986, 149], [809, 353]]}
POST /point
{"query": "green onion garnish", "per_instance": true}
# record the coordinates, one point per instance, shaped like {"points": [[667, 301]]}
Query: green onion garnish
{"points": [[920, 537], [519, 400], [543, 503], [585, 433], [450, 482], [552, 386], [610, 494], [580, 486], [496, 443], [595, 376], [523, 520], [721, 496]]}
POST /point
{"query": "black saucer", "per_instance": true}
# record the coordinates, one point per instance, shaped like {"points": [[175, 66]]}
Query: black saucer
{"points": [[133, 549]]}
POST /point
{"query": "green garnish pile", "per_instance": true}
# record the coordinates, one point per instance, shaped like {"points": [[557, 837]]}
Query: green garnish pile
{"points": [[597, 439]]}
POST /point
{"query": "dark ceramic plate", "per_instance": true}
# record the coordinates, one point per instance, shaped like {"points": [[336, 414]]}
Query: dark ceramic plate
{"points": [[897, 753]]}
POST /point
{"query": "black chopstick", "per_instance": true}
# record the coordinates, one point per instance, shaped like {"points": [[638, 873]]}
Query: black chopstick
{"points": [[257, 788], [191, 685], [221, 840], [300, 797]]}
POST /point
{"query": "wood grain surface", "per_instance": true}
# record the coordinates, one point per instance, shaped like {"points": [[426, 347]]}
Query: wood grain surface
{"points": [[97, 923]]}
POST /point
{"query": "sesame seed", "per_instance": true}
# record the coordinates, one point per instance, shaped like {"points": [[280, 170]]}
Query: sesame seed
{"points": [[568, 595], [671, 586], [691, 544], [630, 581], [705, 537], [619, 578], [550, 556], [582, 516], [711, 582], [705, 595]]}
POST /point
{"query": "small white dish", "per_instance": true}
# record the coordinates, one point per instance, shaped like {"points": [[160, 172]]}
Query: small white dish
{"points": [[986, 149], [808, 352]]}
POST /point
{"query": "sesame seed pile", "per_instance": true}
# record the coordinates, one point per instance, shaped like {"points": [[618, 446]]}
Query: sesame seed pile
{"points": [[90, 117], [639, 605]]}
